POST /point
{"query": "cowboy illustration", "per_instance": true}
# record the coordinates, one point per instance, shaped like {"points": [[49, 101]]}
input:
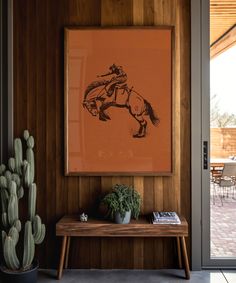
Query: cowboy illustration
{"points": [[119, 78], [100, 95]]}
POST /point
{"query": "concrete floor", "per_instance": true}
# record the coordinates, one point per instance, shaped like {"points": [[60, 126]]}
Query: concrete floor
{"points": [[137, 276]]}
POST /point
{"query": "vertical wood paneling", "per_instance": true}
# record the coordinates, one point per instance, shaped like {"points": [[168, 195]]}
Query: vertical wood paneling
{"points": [[40, 118], [20, 71], [31, 42], [117, 13], [39, 104], [50, 112], [185, 114]]}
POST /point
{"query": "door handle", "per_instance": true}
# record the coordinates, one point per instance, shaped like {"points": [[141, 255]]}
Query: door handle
{"points": [[205, 155]]}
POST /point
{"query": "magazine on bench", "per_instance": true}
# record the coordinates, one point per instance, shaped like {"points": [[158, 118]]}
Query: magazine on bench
{"points": [[165, 217]]}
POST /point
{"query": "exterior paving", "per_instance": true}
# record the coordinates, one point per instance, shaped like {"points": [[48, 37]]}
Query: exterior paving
{"points": [[223, 224]]}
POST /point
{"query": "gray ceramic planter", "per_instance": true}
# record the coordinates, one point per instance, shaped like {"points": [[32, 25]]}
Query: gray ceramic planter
{"points": [[126, 220], [29, 276]]}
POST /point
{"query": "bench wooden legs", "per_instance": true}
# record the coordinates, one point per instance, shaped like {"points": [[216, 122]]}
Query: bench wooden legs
{"points": [[185, 258], [67, 252], [181, 249], [62, 257], [179, 253]]}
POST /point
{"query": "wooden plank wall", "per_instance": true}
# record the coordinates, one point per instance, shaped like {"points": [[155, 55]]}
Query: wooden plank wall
{"points": [[223, 142], [38, 106]]}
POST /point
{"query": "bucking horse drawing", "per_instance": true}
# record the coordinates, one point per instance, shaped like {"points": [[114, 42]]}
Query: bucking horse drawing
{"points": [[102, 94]]}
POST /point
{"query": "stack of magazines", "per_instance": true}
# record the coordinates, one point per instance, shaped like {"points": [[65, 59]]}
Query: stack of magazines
{"points": [[165, 218]]}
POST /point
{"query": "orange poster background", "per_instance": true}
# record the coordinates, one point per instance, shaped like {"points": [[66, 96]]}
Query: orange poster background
{"points": [[97, 147]]}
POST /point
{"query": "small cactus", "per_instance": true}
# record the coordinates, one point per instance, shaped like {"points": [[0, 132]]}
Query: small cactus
{"points": [[16, 179]]}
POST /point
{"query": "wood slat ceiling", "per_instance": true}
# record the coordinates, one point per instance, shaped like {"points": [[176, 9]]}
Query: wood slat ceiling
{"points": [[222, 17]]}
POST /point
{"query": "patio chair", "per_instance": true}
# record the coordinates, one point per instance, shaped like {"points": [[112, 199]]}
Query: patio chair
{"points": [[226, 181]]}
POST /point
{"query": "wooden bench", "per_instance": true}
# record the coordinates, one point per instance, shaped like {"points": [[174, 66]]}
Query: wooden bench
{"points": [[70, 226]]}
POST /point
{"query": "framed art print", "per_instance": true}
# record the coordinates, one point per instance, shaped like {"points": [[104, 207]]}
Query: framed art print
{"points": [[118, 101]]}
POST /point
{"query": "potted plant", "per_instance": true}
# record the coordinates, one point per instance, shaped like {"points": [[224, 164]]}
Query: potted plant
{"points": [[123, 202], [17, 180]]}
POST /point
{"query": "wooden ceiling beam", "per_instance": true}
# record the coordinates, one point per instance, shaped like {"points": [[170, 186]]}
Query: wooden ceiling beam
{"points": [[222, 17], [225, 42]]}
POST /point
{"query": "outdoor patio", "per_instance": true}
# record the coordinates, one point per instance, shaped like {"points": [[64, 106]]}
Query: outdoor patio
{"points": [[223, 226]]}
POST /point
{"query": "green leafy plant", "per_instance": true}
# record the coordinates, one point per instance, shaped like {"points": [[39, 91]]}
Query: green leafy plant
{"points": [[122, 199], [16, 179]]}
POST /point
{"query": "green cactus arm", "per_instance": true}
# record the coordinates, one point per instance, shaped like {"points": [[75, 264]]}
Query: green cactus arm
{"points": [[15, 177], [37, 228], [18, 155], [4, 235], [12, 187], [29, 247], [4, 219], [42, 236], [12, 164], [12, 209], [13, 232], [30, 142], [4, 199], [3, 182], [9, 253], [8, 176], [32, 201], [20, 193], [30, 159], [2, 168], [26, 134], [17, 224], [27, 175]]}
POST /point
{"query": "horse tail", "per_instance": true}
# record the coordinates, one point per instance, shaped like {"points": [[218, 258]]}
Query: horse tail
{"points": [[94, 85], [149, 111]]}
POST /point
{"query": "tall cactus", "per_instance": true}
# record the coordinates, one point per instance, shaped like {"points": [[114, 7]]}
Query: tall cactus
{"points": [[16, 178]]}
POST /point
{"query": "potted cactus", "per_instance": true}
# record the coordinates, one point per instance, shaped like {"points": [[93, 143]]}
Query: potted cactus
{"points": [[17, 180]]}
